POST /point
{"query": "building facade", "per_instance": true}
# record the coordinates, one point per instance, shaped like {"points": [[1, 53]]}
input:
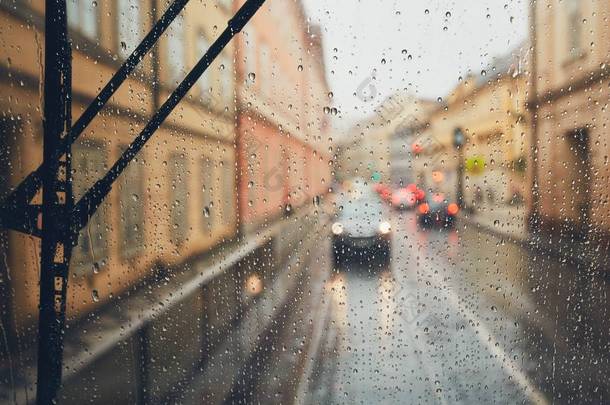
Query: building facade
{"points": [[175, 201], [569, 99], [282, 125], [490, 110]]}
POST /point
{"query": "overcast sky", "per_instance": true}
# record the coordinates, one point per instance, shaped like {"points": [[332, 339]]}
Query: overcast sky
{"points": [[377, 47]]}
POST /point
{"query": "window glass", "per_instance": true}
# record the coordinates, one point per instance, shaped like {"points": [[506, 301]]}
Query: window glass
{"points": [[575, 26], [129, 26], [179, 196], [176, 46], [251, 50], [132, 196], [227, 78], [90, 159], [208, 186], [358, 202], [205, 85], [83, 16]]}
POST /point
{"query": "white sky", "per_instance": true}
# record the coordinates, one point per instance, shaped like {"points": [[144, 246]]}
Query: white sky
{"points": [[359, 35]]}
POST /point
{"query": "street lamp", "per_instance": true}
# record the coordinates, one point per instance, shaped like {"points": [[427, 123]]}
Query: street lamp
{"points": [[458, 143]]}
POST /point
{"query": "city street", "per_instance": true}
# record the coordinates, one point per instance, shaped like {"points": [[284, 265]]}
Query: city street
{"points": [[298, 202], [461, 316]]}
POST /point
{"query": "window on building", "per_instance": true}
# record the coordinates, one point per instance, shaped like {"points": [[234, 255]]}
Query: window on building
{"points": [[129, 26], [205, 85], [226, 81], [83, 17], [176, 47], [207, 187], [255, 157], [574, 24], [226, 3], [228, 193], [266, 70], [251, 56], [89, 164], [131, 196], [178, 195]]}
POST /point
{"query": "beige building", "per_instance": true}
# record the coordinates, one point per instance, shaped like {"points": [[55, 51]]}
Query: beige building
{"points": [[283, 137], [569, 99], [490, 110], [176, 200]]}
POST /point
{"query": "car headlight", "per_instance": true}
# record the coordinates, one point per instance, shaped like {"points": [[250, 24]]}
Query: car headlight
{"points": [[385, 227], [337, 228]]}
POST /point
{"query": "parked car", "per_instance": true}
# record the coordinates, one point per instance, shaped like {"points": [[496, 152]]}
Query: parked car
{"points": [[437, 210], [361, 229]]}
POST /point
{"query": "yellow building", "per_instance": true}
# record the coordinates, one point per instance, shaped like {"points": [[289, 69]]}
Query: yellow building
{"points": [[569, 100], [374, 145], [175, 200], [490, 110]]}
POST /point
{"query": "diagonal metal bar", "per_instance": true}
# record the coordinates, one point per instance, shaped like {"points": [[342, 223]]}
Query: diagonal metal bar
{"points": [[90, 202], [20, 197]]}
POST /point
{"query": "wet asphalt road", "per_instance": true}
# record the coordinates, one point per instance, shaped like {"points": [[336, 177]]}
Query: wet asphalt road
{"points": [[462, 316]]}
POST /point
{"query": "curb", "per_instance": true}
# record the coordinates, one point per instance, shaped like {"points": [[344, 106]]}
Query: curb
{"points": [[541, 248]]}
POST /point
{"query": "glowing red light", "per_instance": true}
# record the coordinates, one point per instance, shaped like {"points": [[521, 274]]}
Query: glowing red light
{"points": [[453, 209], [423, 208]]}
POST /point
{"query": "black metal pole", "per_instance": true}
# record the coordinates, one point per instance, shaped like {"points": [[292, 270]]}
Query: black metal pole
{"points": [[459, 196], [534, 214], [57, 203], [459, 140]]}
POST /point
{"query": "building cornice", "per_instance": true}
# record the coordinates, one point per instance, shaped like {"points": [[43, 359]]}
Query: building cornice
{"points": [[29, 82], [592, 78]]}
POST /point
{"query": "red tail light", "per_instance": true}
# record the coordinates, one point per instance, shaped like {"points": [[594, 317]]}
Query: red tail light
{"points": [[423, 208], [453, 209]]}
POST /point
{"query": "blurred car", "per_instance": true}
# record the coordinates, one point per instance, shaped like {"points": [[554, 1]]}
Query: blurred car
{"points": [[361, 229], [384, 191], [437, 211], [403, 198]]}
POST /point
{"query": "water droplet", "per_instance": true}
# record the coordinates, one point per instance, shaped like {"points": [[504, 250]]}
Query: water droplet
{"points": [[252, 76]]}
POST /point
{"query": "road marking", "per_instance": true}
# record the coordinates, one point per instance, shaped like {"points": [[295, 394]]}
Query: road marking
{"points": [[493, 346]]}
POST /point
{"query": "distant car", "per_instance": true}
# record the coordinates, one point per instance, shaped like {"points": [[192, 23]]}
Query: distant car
{"points": [[404, 198], [384, 191], [361, 230], [436, 210]]}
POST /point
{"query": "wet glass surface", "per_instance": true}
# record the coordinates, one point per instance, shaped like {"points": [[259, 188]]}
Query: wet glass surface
{"points": [[314, 202]]}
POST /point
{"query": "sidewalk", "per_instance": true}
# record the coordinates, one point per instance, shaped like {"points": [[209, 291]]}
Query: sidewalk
{"points": [[591, 253], [503, 221]]}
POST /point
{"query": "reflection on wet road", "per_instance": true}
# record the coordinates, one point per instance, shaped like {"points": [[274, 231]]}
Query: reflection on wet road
{"points": [[461, 316]]}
